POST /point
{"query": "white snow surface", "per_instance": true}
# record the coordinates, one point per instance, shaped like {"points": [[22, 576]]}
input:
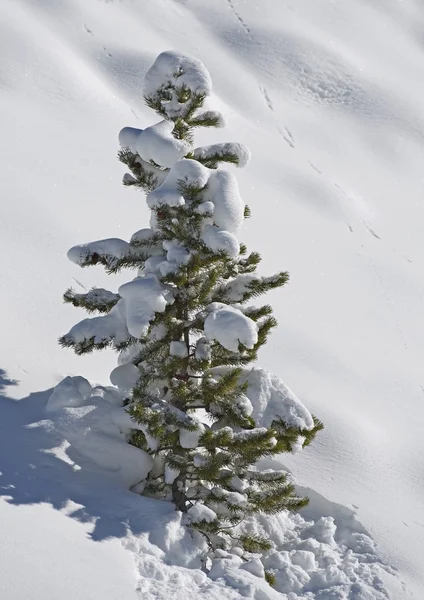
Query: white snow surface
{"points": [[230, 327], [155, 143], [327, 95]]}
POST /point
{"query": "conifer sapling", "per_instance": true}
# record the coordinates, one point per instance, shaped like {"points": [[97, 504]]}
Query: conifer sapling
{"points": [[184, 326]]}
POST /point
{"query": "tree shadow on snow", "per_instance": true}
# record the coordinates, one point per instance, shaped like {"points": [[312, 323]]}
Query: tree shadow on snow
{"points": [[32, 471]]}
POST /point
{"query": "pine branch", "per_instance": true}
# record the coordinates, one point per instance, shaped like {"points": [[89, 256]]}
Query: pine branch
{"points": [[96, 300]]}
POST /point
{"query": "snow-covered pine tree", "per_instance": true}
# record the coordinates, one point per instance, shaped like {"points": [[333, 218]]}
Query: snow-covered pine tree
{"points": [[184, 326]]}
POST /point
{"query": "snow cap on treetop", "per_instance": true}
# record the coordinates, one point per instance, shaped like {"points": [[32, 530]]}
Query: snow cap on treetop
{"points": [[175, 69]]}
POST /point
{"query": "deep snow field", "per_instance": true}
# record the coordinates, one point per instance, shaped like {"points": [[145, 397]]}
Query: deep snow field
{"points": [[327, 94]]}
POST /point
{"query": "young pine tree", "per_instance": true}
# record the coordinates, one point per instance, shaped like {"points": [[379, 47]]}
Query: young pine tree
{"points": [[184, 326]]}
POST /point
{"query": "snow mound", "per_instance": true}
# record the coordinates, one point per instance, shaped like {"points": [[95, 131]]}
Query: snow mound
{"points": [[155, 143], [230, 327], [96, 425]]}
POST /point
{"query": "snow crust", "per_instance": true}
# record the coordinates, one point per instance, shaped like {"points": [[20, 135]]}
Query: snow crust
{"points": [[230, 327]]}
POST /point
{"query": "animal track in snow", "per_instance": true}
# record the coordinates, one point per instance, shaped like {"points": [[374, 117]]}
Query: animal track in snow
{"points": [[267, 99], [315, 168], [286, 134], [372, 232], [88, 30], [238, 17]]}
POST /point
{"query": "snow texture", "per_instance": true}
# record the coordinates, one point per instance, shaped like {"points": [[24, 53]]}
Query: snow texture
{"points": [[155, 143], [143, 297], [219, 240], [240, 151], [230, 327]]}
